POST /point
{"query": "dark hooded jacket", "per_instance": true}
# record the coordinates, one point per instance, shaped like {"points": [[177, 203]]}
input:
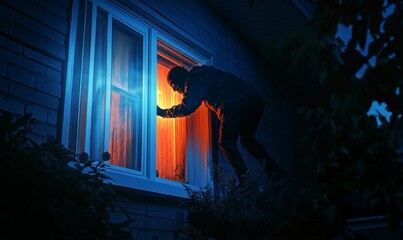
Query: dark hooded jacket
{"points": [[220, 91]]}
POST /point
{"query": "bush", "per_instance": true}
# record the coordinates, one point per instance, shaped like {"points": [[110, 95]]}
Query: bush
{"points": [[48, 192], [348, 157], [235, 211]]}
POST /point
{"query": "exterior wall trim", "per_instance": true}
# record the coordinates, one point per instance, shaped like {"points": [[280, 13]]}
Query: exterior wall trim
{"points": [[69, 74]]}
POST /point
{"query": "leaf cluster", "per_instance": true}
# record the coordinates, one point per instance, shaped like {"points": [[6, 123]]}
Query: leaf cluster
{"points": [[233, 210], [350, 161], [48, 192]]}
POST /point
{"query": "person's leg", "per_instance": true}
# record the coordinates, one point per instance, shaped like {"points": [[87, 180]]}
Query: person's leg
{"points": [[248, 128], [227, 142]]}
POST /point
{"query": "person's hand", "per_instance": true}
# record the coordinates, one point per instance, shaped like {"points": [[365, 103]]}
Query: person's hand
{"points": [[160, 111]]}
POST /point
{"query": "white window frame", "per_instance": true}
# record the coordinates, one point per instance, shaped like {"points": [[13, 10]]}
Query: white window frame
{"points": [[146, 179]]}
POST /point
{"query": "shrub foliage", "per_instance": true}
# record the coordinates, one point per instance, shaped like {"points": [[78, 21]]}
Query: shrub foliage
{"points": [[50, 193]]}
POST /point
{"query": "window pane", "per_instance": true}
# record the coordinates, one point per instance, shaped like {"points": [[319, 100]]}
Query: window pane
{"points": [[124, 141], [127, 59], [126, 105]]}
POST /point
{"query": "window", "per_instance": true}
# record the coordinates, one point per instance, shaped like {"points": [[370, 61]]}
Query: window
{"points": [[120, 78]]}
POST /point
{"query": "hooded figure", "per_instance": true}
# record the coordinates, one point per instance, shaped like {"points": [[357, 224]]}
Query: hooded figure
{"points": [[238, 106]]}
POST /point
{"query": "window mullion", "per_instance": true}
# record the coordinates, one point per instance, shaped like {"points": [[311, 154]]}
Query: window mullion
{"points": [[80, 90], [108, 83], [87, 145], [70, 74], [152, 92]]}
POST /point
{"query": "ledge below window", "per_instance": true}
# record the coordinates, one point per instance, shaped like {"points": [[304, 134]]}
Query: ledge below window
{"points": [[141, 183]]}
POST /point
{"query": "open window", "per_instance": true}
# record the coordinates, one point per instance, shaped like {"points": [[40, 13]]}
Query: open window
{"points": [[183, 144]]}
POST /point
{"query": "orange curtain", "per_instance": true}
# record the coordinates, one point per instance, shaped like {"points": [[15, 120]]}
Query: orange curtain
{"points": [[198, 144], [171, 132], [120, 135], [126, 98], [183, 144]]}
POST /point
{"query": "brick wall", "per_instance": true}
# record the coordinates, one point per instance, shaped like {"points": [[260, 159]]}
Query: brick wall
{"points": [[158, 218], [32, 59]]}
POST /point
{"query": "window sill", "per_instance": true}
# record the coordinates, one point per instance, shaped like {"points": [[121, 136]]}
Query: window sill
{"points": [[141, 183]]}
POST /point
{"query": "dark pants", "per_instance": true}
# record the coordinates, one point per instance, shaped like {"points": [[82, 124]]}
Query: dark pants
{"points": [[242, 119]]}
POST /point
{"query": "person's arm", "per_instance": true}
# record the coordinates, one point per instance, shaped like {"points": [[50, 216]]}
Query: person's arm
{"points": [[192, 98]]}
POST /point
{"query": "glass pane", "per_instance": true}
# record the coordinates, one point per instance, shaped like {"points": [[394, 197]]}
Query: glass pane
{"points": [[127, 59], [124, 140], [126, 105]]}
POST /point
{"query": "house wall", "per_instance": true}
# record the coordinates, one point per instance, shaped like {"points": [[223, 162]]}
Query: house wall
{"points": [[155, 217], [231, 52], [32, 61], [34, 43]]}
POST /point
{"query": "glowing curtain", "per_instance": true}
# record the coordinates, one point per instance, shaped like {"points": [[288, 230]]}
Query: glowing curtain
{"points": [[171, 133], [198, 145], [121, 127]]}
